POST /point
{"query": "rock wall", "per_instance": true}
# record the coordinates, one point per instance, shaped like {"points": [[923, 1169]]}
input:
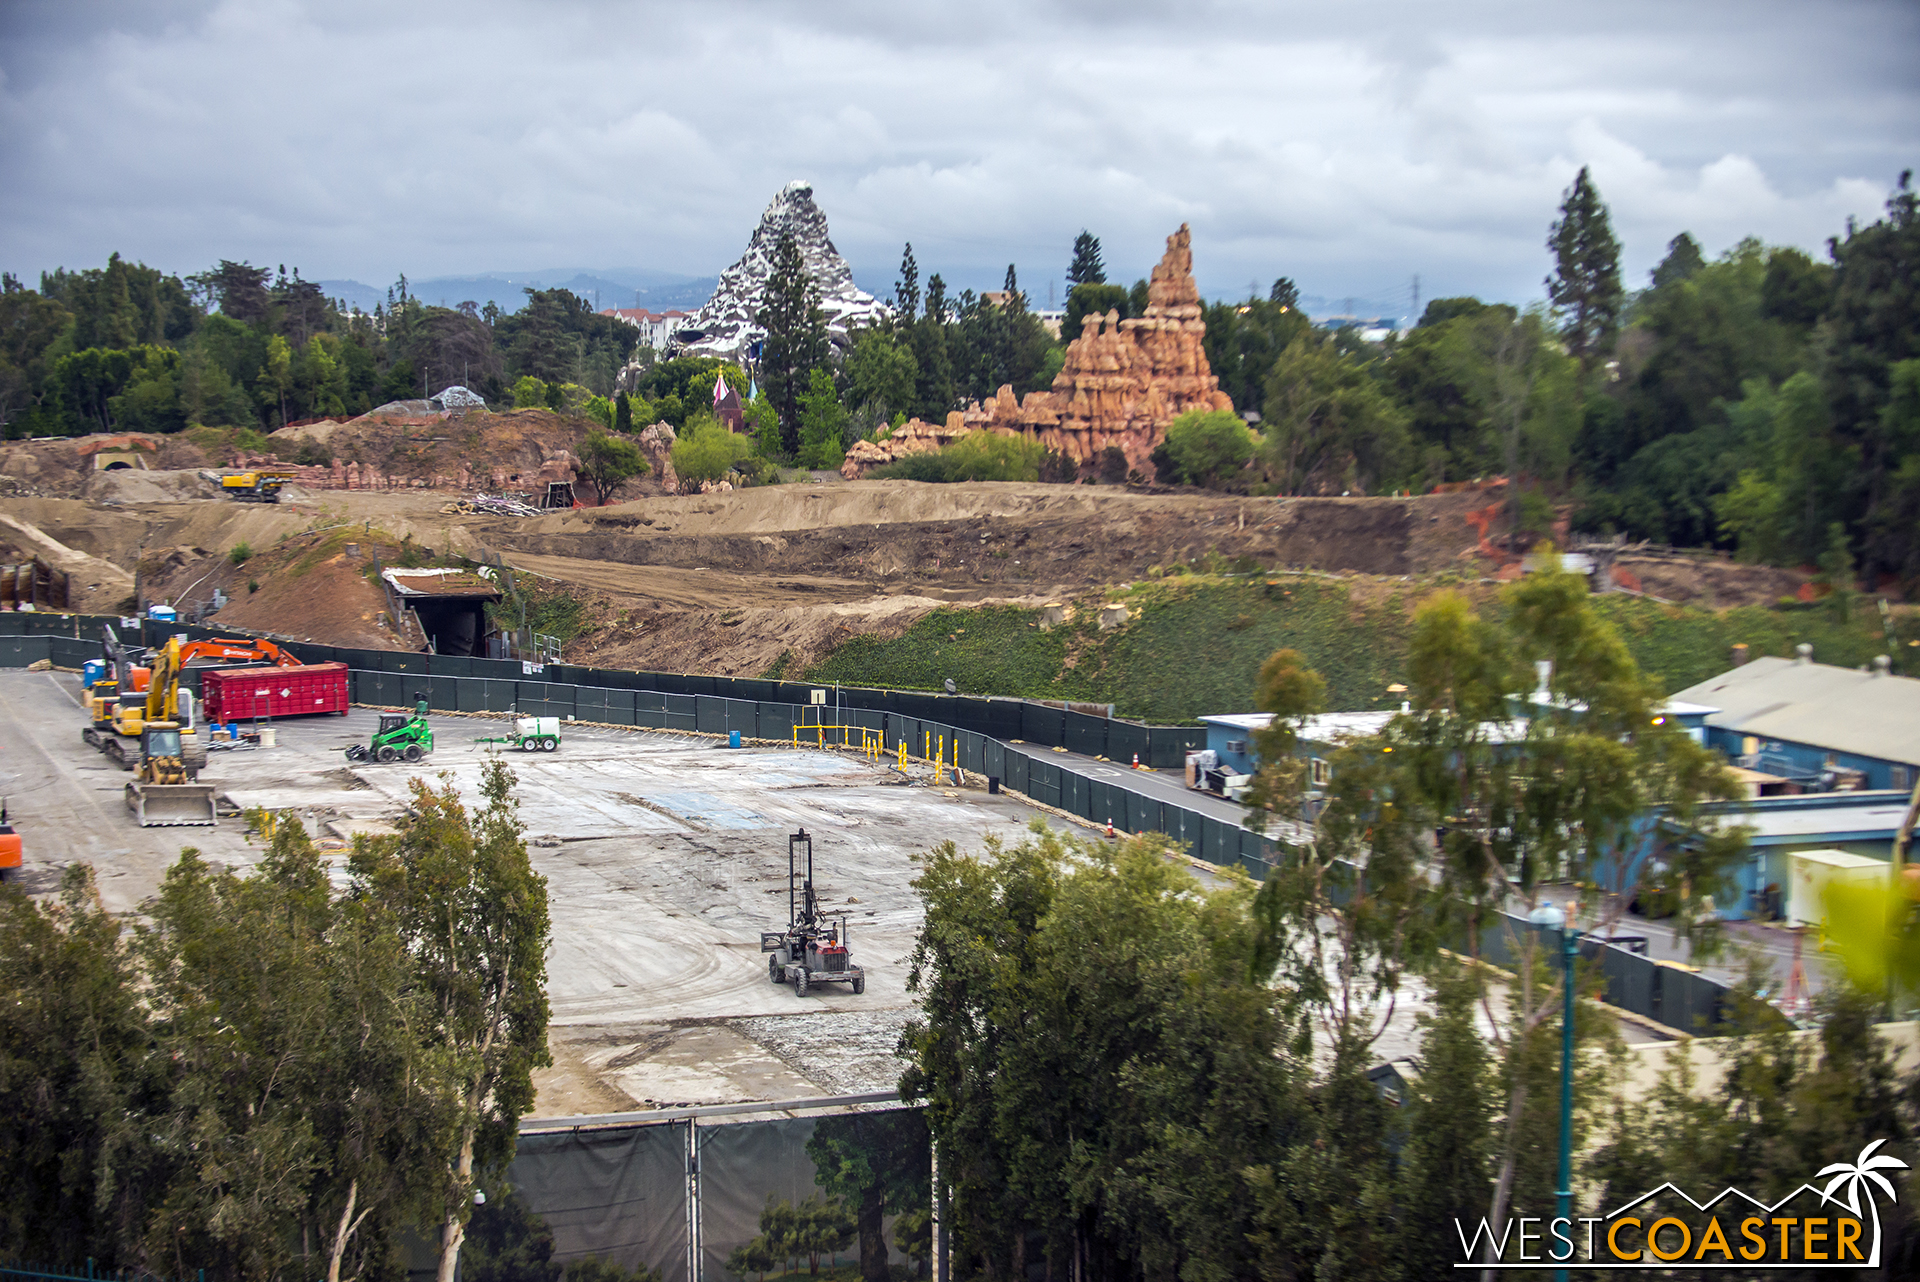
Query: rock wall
{"points": [[1123, 382]]}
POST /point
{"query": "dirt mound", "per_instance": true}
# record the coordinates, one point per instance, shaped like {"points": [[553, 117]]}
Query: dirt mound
{"points": [[1009, 538], [126, 485], [739, 642], [97, 584]]}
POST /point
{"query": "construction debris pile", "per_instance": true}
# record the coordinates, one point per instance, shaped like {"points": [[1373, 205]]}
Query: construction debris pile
{"points": [[491, 505]]}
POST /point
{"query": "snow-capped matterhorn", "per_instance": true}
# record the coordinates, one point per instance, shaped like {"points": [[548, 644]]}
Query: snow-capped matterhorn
{"points": [[725, 321]]}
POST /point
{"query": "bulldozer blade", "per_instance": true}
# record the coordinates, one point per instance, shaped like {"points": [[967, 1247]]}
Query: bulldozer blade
{"points": [[171, 804]]}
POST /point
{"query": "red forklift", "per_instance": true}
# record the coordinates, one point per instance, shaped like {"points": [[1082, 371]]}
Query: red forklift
{"points": [[814, 948]]}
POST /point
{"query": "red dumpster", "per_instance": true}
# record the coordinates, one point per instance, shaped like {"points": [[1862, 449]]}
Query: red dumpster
{"points": [[241, 694]]}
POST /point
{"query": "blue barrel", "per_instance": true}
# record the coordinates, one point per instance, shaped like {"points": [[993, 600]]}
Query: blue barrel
{"points": [[733, 738]]}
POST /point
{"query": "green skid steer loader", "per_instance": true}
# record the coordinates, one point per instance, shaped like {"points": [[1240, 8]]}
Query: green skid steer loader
{"points": [[399, 738]]}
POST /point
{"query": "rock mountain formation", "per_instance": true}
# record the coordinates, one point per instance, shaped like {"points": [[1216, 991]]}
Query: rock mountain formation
{"points": [[1123, 382], [725, 322]]}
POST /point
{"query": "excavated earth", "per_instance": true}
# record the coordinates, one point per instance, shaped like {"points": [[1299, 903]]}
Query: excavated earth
{"points": [[728, 582]]}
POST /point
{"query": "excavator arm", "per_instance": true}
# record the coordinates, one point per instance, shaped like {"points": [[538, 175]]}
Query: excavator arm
{"points": [[239, 649]]}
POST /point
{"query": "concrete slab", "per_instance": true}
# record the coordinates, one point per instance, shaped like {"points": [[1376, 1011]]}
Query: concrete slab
{"points": [[664, 853]]}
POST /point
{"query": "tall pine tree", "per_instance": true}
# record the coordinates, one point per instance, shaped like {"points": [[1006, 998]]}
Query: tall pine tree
{"points": [[1585, 285], [906, 290], [796, 336], [1086, 268]]}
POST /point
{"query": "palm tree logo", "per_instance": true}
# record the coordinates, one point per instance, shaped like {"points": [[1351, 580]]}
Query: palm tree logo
{"points": [[1863, 1174]]}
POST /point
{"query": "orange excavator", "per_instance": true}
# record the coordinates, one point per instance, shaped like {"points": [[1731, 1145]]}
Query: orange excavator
{"points": [[225, 650]]}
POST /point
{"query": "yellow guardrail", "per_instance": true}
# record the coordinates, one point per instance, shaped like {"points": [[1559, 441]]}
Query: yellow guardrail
{"points": [[938, 750], [869, 742]]}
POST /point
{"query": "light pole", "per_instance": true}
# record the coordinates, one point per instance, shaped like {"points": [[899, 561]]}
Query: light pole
{"points": [[1548, 917]]}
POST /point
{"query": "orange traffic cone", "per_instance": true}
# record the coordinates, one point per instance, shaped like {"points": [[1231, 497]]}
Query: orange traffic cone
{"points": [[1109, 827], [1136, 761]]}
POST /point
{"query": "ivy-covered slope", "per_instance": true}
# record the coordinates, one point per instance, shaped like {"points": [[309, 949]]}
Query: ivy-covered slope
{"points": [[1191, 646]]}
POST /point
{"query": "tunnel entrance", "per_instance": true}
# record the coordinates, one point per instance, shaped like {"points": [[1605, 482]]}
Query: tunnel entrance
{"points": [[450, 605]]}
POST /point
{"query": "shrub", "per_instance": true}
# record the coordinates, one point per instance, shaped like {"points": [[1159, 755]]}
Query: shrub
{"points": [[707, 450], [1208, 446], [977, 456], [240, 552]]}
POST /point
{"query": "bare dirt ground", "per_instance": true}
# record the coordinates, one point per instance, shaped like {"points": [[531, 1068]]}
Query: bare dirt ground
{"points": [[728, 582]]}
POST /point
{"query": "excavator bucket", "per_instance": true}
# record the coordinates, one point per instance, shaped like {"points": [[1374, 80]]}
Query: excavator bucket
{"points": [[171, 804]]}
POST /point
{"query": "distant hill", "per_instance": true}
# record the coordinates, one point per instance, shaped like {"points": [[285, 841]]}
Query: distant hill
{"points": [[606, 286]]}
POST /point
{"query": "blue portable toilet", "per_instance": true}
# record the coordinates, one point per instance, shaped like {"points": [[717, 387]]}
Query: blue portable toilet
{"points": [[733, 738]]}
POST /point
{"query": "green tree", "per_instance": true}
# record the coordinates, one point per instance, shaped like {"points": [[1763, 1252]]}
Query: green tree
{"points": [[507, 1242], [472, 915], [292, 1120], [1104, 1096], [822, 1227], [1872, 325], [1683, 260], [529, 393], [84, 1080], [1560, 801], [823, 421], [906, 290], [881, 373], [1208, 447], [623, 414], [276, 375], [1585, 285], [796, 342], [877, 1163], [1242, 342], [1329, 427], [706, 450], [608, 462], [1086, 268], [1095, 298], [934, 391]]}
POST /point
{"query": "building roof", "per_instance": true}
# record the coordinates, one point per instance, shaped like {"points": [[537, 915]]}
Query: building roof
{"points": [[1325, 728], [1817, 818], [1870, 714]]}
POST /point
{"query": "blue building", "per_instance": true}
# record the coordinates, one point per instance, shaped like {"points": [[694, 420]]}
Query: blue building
{"points": [[1820, 727]]}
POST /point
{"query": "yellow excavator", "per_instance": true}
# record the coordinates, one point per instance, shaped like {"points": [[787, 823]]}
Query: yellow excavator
{"points": [[258, 486], [165, 705]]}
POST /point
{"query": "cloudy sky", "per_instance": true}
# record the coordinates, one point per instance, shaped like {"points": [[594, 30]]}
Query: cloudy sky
{"points": [[1349, 146]]}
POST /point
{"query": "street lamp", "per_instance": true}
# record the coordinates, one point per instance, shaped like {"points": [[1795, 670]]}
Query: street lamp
{"points": [[1548, 917]]}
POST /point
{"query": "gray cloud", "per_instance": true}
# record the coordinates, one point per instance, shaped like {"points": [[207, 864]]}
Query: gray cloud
{"points": [[1346, 146]]}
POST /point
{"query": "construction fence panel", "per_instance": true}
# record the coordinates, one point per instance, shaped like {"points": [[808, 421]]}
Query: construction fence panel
{"points": [[619, 1193], [1142, 813], [650, 709], [709, 714], [1125, 741], [19, 650], [1042, 725], [69, 653], [973, 751], [1168, 745], [996, 760], [1044, 779], [1014, 767], [542, 699], [472, 694], [775, 721], [1084, 734], [682, 712]]}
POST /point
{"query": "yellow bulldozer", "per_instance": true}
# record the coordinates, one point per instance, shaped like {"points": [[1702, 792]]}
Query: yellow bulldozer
{"points": [[162, 792]]}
